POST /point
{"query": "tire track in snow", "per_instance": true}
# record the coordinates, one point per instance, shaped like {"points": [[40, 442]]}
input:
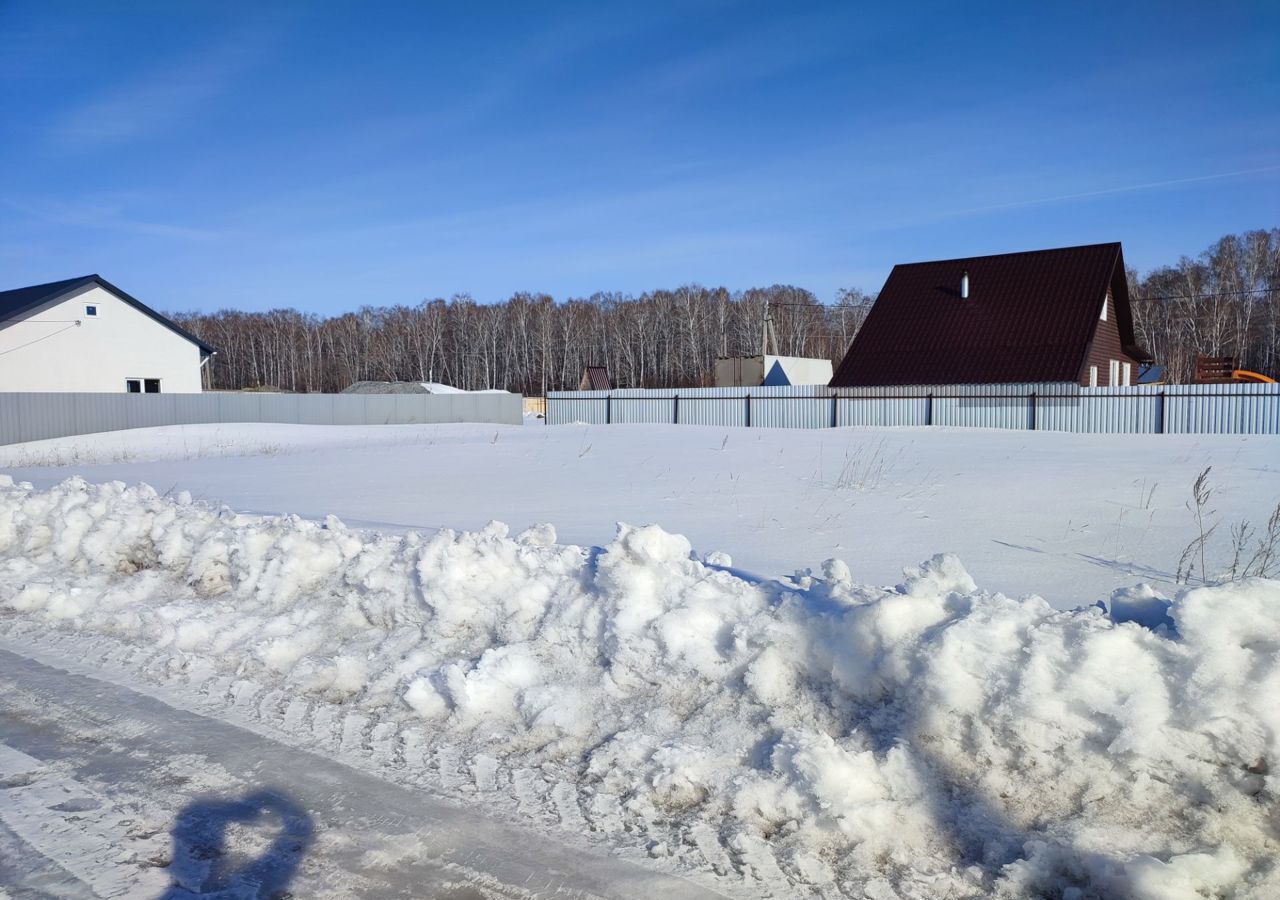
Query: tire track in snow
{"points": [[331, 730], [325, 728], [374, 833]]}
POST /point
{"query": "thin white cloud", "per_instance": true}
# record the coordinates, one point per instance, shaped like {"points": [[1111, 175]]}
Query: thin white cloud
{"points": [[1123, 189], [105, 214], [756, 53], [159, 100]]}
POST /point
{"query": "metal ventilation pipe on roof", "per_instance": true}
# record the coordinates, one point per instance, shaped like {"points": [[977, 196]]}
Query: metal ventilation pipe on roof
{"points": [[964, 285]]}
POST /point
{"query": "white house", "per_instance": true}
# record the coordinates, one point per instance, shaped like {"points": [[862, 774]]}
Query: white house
{"points": [[85, 334]]}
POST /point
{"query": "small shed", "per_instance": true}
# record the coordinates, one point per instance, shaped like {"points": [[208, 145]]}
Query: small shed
{"points": [[595, 378], [770, 370]]}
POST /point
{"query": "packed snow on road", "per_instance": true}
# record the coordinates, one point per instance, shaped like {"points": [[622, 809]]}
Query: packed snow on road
{"points": [[419, 702]]}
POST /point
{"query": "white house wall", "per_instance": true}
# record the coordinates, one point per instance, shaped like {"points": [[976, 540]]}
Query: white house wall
{"points": [[45, 351], [801, 369]]}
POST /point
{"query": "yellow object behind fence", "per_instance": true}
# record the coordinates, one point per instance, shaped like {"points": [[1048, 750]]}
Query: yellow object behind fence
{"points": [[1246, 375]]}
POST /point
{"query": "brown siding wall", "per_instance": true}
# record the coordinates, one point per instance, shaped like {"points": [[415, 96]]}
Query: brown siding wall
{"points": [[1104, 347]]}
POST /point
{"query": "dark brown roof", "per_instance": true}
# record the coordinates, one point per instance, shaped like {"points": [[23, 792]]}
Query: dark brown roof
{"points": [[1029, 317], [595, 378]]}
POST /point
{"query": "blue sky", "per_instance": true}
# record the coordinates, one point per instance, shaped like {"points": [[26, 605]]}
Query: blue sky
{"points": [[326, 155]]}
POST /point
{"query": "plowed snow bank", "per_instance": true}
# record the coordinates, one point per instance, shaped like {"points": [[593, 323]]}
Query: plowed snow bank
{"points": [[931, 739]]}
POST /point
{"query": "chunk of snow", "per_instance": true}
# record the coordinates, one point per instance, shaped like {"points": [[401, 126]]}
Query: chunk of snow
{"points": [[1142, 604]]}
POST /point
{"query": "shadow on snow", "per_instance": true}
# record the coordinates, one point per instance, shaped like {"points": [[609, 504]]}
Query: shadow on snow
{"points": [[203, 864]]}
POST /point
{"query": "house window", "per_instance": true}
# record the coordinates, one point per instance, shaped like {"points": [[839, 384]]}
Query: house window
{"points": [[1113, 373], [133, 385], [1103, 315], [151, 385], [91, 310], [1093, 376], [1126, 373]]}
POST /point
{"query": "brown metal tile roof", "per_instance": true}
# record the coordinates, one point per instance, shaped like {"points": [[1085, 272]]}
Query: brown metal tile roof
{"points": [[595, 378], [1029, 317]]}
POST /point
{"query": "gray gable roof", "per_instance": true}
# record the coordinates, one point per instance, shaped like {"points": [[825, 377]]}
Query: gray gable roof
{"points": [[19, 301]]}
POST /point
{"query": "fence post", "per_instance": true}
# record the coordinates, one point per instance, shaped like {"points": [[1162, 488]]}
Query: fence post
{"points": [[834, 411], [1033, 410], [748, 409], [608, 408], [675, 410], [1160, 418], [928, 408]]}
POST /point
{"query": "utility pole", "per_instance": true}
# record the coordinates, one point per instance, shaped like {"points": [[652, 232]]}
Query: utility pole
{"points": [[767, 336]]}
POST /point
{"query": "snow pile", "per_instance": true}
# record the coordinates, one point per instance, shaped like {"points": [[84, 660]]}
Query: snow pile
{"points": [[930, 739]]}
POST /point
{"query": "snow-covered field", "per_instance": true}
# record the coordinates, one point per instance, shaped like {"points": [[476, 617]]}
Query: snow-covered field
{"points": [[1067, 517], [847, 730]]}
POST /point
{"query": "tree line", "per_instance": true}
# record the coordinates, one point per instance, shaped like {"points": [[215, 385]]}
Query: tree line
{"points": [[1225, 302], [528, 343]]}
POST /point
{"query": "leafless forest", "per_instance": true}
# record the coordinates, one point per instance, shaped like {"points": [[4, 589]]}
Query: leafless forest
{"points": [[1224, 302]]}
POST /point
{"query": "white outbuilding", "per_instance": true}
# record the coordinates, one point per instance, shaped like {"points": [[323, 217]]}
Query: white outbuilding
{"points": [[85, 334], [771, 371]]}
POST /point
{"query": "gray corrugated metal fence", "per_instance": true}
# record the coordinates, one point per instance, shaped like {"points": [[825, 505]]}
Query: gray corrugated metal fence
{"points": [[33, 417], [1145, 409]]}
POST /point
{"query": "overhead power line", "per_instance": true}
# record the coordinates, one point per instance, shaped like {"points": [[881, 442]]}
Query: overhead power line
{"points": [[823, 305], [1212, 294], [39, 339]]}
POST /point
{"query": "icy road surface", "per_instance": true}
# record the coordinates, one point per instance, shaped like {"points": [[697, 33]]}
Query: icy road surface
{"points": [[106, 792]]}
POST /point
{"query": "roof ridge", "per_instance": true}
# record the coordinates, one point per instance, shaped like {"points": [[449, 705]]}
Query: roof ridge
{"points": [[929, 262], [51, 284], [17, 301]]}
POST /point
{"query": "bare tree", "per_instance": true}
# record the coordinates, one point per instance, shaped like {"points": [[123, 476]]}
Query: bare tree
{"points": [[1226, 302]]}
